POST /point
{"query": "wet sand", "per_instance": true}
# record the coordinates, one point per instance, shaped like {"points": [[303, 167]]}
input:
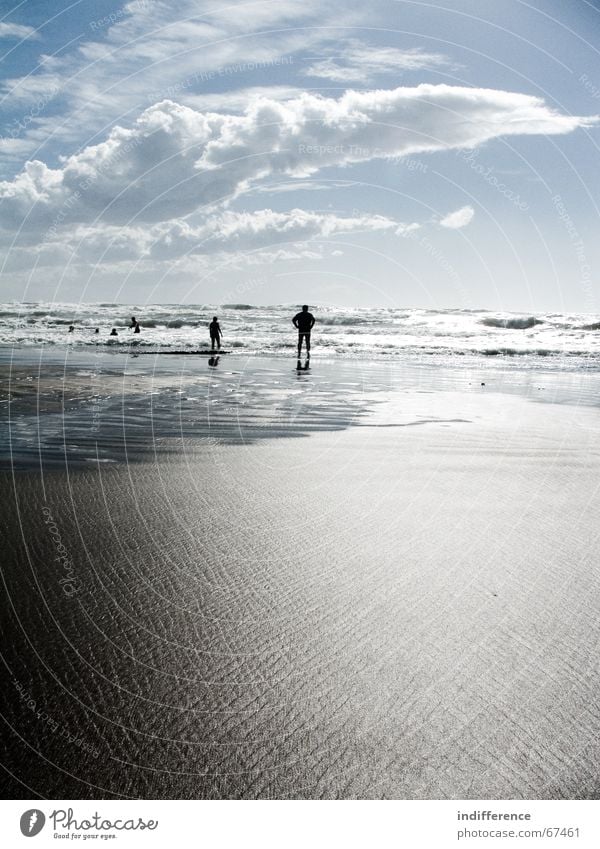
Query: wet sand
{"points": [[403, 605]]}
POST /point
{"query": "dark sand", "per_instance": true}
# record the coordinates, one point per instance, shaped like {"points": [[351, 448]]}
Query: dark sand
{"points": [[401, 603]]}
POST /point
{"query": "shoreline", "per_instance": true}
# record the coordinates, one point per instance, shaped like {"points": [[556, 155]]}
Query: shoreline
{"points": [[87, 407], [353, 332]]}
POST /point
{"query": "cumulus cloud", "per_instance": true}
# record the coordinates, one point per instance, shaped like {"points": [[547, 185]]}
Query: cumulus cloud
{"points": [[459, 218], [148, 50], [176, 160], [227, 233], [234, 232], [361, 62], [238, 99], [15, 30]]}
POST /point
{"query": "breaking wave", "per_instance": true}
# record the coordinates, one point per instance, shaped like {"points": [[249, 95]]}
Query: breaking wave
{"points": [[365, 333], [512, 323]]}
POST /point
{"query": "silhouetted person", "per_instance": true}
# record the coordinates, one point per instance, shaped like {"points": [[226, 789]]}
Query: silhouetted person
{"points": [[215, 333], [304, 321], [137, 327], [97, 330], [133, 322], [113, 332], [71, 328]]}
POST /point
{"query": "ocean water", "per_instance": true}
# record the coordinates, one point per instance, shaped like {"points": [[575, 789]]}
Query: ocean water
{"points": [[564, 340]]}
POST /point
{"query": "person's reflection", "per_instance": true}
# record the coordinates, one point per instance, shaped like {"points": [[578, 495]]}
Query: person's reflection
{"points": [[305, 367], [213, 362]]}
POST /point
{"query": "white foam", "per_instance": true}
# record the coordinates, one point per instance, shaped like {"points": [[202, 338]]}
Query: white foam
{"points": [[569, 339]]}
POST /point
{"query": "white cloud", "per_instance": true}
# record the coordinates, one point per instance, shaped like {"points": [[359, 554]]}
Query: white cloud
{"points": [[15, 30], [149, 50], [238, 100], [459, 218], [266, 257], [358, 62], [176, 160], [297, 185], [265, 228], [228, 233]]}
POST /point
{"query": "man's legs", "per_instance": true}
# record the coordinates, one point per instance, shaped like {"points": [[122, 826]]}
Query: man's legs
{"points": [[306, 337]]}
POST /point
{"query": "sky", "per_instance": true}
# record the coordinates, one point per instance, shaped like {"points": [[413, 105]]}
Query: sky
{"points": [[393, 154]]}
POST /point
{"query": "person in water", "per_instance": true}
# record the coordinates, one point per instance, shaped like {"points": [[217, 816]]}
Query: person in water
{"points": [[137, 327], [71, 328], [304, 322], [113, 332], [133, 322], [215, 333]]}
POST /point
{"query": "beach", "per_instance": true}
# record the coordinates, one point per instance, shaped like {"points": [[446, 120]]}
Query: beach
{"points": [[356, 581]]}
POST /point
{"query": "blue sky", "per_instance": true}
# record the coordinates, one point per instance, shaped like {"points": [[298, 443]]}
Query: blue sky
{"points": [[390, 153]]}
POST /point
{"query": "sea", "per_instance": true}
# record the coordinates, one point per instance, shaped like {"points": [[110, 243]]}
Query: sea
{"points": [[562, 341]]}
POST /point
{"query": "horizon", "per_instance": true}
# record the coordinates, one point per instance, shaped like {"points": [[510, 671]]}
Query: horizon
{"points": [[291, 305]]}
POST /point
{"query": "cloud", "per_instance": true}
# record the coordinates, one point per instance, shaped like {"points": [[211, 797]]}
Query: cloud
{"points": [[247, 231], [227, 233], [238, 100], [15, 31], [175, 160], [361, 62], [459, 218], [147, 50], [278, 188]]}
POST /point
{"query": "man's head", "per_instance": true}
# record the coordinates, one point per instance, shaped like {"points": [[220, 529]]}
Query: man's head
{"points": [[215, 318], [305, 308]]}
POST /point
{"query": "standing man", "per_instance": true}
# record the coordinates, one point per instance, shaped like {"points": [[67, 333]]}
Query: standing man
{"points": [[215, 333], [304, 322]]}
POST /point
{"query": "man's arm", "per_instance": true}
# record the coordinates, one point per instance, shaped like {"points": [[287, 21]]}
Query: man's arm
{"points": [[312, 322], [295, 321]]}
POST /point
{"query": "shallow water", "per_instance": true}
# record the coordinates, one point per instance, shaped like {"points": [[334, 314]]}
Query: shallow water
{"points": [[565, 340], [110, 406]]}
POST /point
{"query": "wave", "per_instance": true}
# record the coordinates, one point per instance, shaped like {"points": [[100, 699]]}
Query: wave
{"points": [[344, 320], [371, 332], [178, 323], [531, 352], [512, 323]]}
